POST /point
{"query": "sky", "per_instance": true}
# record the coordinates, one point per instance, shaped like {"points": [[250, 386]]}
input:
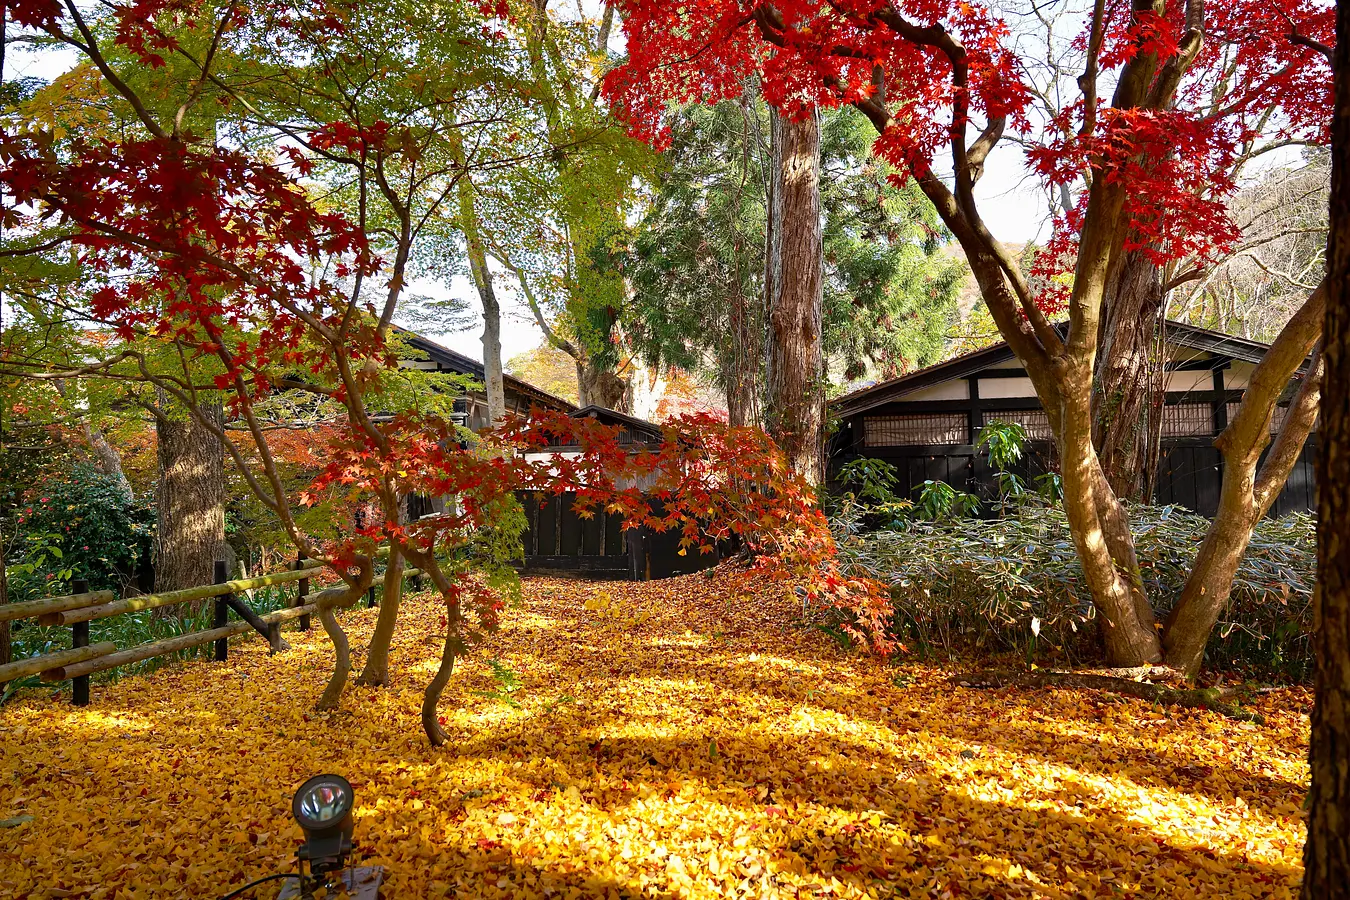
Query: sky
{"points": [[1013, 207]]}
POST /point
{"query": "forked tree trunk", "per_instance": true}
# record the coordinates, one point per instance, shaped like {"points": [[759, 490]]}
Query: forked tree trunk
{"points": [[1326, 858], [1101, 532], [1123, 389], [794, 404], [189, 498], [1246, 495]]}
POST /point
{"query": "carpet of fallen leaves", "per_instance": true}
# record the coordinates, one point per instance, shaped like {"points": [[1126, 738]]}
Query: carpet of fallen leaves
{"points": [[668, 739]]}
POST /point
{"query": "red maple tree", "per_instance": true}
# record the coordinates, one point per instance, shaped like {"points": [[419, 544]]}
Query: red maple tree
{"points": [[942, 78]]}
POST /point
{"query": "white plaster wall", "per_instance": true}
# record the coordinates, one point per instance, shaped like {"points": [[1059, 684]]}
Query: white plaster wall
{"points": [[1238, 376], [956, 389], [1186, 381], [993, 388]]}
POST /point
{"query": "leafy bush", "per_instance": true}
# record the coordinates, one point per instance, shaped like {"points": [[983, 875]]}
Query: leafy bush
{"points": [[82, 524], [1016, 584]]}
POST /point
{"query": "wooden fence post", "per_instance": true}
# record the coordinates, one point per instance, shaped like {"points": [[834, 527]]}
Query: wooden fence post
{"points": [[222, 612], [302, 592], [79, 692]]}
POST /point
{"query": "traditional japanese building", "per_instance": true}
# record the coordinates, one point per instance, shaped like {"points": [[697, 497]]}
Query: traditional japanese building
{"points": [[925, 423]]}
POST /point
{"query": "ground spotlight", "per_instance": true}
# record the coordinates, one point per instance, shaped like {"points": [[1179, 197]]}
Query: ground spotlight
{"points": [[323, 808]]}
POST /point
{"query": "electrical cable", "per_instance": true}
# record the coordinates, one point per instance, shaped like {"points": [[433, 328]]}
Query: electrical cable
{"points": [[237, 892]]}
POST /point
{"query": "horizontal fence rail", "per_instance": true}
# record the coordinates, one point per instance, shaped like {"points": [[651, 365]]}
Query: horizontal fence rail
{"points": [[79, 608]]}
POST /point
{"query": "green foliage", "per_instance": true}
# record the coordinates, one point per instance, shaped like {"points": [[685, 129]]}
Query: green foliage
{"points": [[871, 479], [1015, 584], [1005, 445], [509, 683], [890, 291], [939, 500], [82, 524], [696, 260]]}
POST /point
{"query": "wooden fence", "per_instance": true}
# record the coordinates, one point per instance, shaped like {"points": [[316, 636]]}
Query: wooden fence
{"points": [[78, 609]]}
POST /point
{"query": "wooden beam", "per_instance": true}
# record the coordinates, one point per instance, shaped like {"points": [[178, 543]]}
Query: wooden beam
{"points": [[34, 665], [31, 608]]}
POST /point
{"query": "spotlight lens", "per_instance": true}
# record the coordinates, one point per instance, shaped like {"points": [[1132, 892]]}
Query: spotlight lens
{"points": [[323, 803]]}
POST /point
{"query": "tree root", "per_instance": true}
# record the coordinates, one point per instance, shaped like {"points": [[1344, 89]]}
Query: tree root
{"points": [[1122, 683]]}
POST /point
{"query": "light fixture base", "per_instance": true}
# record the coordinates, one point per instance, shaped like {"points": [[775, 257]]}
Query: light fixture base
{"points": [[361, 882]]}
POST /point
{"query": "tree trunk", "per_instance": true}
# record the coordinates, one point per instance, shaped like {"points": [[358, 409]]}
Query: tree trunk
{"points": [[492, 312], [740, 368], [597, 386], [1101, 532], [1326, 858], [1124, 391], [794, 405], [1246, 494], [106, 458], [376, 670], [189, 498], [6, 652]]}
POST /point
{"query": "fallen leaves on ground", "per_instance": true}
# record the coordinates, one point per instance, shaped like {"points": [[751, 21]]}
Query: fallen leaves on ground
{"points": [[670, 739]]}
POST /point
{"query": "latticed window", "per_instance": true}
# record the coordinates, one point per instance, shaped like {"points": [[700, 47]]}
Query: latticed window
{"points": [[904, 431], [1276, 420], [1188, 420], [1035, 421]]}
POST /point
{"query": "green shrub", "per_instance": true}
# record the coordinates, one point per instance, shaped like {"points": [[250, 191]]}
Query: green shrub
{"points": [[1015, 584], [82, 524]]}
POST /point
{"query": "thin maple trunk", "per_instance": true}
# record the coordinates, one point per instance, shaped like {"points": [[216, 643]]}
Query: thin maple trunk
{"points": [[741, 363], [1124, 390], [494, 382], [1246, 494], [189, 497], [794, 408], [1326, 856], [106, 458], [6, 651], [375, 673], [342, 660]]}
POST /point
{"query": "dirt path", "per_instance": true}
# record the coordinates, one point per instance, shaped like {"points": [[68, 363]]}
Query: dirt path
{"points": [[672, 739]]}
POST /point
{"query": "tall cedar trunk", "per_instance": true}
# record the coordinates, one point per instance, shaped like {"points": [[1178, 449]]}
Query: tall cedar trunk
{"points": [[598, 386], [492, 312], [1123, 387], [189, 499], [1326, 858], [794, 402]]}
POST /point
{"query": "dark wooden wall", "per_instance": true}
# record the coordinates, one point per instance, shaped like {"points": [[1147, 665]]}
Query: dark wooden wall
{"points": [[557, 539], [1190, 473]]}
